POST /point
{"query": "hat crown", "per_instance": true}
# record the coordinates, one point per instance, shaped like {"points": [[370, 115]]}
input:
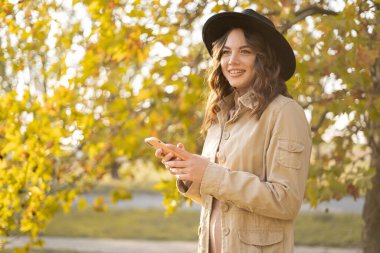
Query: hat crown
{"points": [[258, 16]]}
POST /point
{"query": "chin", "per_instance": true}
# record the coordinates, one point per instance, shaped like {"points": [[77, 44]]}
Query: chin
{"points": [[236, 86]]}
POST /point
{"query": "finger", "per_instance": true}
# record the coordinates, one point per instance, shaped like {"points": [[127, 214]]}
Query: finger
{"points": [[181, 151], [179, 145], [167, 167], [159, 153], [175, 171], [178, 171], [176, 164], [169, 156]]}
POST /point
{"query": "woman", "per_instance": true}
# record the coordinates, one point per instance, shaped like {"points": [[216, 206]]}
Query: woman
{"points": [[250, 179]]}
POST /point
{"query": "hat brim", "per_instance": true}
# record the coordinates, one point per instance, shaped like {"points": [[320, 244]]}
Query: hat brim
{"points": [[220, 23]]}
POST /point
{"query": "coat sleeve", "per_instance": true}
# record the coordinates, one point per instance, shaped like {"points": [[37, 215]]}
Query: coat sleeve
{"points": [[281, 194], [190, 190]]}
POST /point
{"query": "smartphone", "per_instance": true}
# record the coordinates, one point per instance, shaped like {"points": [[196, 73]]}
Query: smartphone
{"points": [[157, 143]]}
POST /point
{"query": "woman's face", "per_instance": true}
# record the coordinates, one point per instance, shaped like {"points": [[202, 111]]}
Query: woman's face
{"points": [[238, 61]]}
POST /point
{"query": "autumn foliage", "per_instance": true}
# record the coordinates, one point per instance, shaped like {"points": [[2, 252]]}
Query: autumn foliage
{"points": [[82, 83]]}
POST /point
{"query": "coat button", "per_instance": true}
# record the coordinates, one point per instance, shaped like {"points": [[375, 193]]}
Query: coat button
{"points": [[221, 158], [225, 207], [226, 135], [226, 231]]}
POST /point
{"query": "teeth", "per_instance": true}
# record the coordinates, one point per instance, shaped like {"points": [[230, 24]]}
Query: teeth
{"points": [[236, 72]]}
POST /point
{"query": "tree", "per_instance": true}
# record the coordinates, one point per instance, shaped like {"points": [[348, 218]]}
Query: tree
{"points": [[78, 95], [343, 98], [83, 83]]}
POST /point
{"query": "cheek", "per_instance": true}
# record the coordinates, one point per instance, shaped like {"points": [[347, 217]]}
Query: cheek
{"points": [[253, 73], [223, 64], [252, 67], [253, 63]]}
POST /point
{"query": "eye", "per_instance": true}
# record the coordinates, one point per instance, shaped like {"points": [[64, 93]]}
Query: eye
{"points": [[245, 51], [225, 51]]}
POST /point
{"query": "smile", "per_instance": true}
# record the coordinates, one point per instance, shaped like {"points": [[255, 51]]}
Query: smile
{"points": [[235, 72]]}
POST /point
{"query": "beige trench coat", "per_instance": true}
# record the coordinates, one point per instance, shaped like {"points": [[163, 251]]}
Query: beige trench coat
{"points": [[259, 177]]}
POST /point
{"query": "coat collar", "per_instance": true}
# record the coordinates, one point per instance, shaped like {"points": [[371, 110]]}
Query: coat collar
{"points": [[247, 100]]}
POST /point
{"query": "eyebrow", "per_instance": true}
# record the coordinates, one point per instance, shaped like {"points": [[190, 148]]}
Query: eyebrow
{"points": [[245, 46]]}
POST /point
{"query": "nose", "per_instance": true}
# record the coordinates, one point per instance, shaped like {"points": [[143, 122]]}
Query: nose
{"points": [[234, 58]]}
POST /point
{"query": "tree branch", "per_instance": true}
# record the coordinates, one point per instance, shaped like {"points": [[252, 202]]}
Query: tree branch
{"points": [[326, 98], [377, 5], [375, 73], [320, 122], [304, 13]]}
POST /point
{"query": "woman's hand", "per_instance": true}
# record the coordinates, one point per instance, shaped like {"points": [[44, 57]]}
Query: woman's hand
{"points": [[192, 168], [167, 156]]}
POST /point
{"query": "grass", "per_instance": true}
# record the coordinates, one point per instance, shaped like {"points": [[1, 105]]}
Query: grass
{"points": [[150, 224], [312, 229], [326, 229]]}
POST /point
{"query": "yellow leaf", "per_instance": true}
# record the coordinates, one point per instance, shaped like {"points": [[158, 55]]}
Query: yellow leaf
{"points": [[99, 204], [82, 203]]}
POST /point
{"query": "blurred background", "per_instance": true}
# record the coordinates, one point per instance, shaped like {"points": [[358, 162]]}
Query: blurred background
{"points": [[82, 83]]}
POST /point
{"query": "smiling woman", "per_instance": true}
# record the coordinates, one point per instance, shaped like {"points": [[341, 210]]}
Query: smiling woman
{"points": [[238, 61], [251, 176]]}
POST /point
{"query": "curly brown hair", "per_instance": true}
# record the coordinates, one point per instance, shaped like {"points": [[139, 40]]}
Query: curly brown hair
{"points": [[266, 86]]}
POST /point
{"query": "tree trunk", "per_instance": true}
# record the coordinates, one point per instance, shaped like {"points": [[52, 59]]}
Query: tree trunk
{"points": [[371, 212]]}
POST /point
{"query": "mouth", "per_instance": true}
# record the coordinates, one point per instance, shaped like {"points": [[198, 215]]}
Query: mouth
{"points": [[236, 72]]}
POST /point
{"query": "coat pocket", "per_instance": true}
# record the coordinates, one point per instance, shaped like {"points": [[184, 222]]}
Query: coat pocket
{"points": [[289, 153], [264, 240]]}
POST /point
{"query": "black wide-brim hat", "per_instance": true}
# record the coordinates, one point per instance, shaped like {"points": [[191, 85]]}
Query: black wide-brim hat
{"points": [[250, 20]]}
